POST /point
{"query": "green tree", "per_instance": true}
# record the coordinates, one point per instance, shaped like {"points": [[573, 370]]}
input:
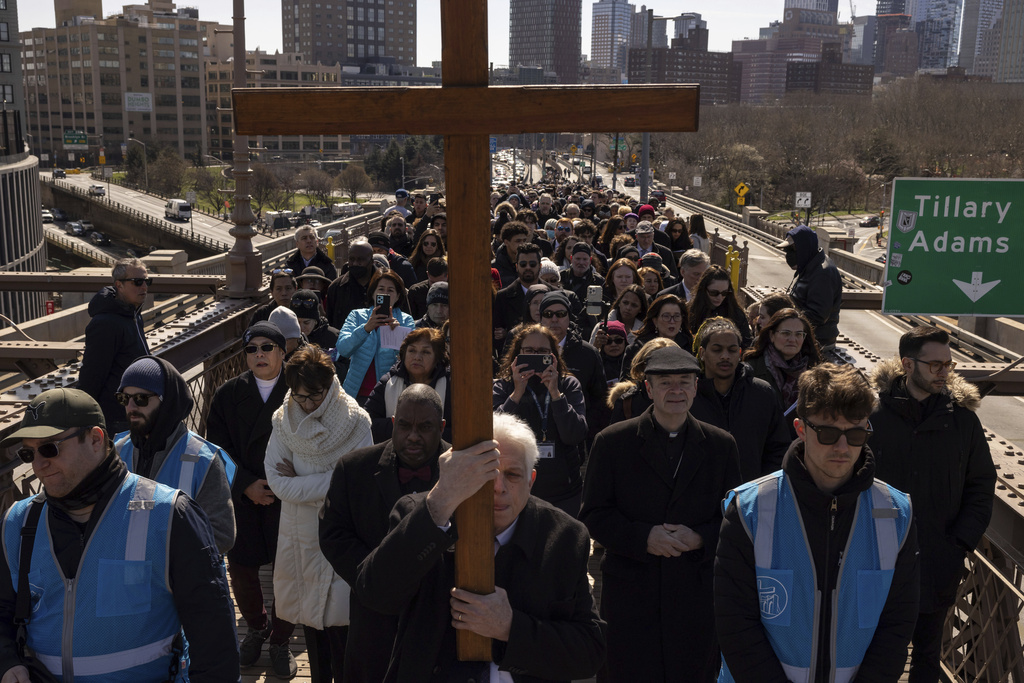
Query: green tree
{"points": [[167, 174], [353, 181]]}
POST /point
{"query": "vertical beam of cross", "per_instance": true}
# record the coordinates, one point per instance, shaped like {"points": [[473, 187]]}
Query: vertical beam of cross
{"points": [[467, 162]]}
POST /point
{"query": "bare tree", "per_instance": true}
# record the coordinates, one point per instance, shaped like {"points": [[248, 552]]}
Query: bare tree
{"points": [[287, 185], [167, 174], [319, 186], [353, 181], [263, 186]]}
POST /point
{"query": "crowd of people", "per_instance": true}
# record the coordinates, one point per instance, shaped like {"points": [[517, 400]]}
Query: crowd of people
{"points": [[761, 514]]}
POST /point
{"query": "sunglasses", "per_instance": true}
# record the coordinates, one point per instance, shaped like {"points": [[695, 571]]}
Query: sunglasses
{"points": [[554, 314], [279, 271], [265, 348], [615, 340], [137, 281], [48, 450], [855, 436], [141, 400], [715, 293], [303, 303]]}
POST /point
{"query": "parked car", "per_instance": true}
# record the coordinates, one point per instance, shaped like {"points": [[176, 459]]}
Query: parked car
{"points": [[59, 214], [59, 173], [97, 191], [630, 181], [869, 222], [74, 228], [47, 216], [98, 238]]}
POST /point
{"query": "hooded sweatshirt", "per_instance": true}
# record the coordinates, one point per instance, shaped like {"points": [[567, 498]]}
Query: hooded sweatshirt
{"points": [[114, 339], [817, 289]]}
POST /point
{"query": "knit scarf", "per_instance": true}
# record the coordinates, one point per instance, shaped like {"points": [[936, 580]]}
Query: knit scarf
{"points": [[321, 437], [92, 488], [785, 372]]}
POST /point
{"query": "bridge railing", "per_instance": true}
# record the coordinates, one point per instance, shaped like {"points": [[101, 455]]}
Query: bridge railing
{"points": [[96, 255]]}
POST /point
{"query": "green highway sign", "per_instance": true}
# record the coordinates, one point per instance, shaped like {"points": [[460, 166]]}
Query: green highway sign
{"points": [[76, 139], [955, 248]]}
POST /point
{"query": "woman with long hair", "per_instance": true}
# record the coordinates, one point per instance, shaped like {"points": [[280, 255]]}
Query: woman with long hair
{"points": [[621, 274], [679, 239], [666, 317], [630, 309], [652, 281], [784, 350], [359, 339], [422, 359], [551, 402], [430, 245], [715, 297], [563, 254], [699, 234], [316, 425], [612, 227]]}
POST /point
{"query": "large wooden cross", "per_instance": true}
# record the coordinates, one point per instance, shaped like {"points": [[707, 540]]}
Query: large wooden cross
{"points": [[467, 112]]}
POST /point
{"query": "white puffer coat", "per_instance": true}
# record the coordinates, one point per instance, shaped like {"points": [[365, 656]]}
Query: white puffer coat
{"points": [[306, 589]]}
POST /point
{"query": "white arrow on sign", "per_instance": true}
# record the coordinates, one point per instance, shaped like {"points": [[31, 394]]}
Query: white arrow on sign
{"points": [[975, 289]]}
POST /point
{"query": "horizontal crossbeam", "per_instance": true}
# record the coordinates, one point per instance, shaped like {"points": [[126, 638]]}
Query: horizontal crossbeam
{"points": [[466, 110], [74, 282]]}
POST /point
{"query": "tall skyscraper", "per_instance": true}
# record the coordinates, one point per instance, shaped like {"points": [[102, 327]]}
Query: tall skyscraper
{"points": [[937, 23], [1011, 49], [609, 37], [979, 18], [546, 33], [687, 22], [350, 33]]}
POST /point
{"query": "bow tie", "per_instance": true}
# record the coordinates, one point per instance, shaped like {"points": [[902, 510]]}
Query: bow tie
{"points": [[405, 475]]}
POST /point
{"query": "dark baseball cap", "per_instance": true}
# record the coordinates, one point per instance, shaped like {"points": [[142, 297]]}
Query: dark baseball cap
{"points": [[56, 411]]}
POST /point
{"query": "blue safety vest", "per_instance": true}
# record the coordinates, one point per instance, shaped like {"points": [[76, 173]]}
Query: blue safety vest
{"points": [[186, 466], [787, 584], [115, 622]]}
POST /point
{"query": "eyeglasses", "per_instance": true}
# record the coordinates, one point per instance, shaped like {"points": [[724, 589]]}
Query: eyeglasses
{"points": [[534, 350], [303, 398], [828, 435], [671, 318], [554, 314], [936, 366], [788, 334], [280, 271], [265, 348], [141, 400], [137, 281], [50, 449], [715, 293]]}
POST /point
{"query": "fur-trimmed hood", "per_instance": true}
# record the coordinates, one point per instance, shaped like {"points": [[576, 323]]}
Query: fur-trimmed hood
{"points": [[619, 390], [962, 392]]}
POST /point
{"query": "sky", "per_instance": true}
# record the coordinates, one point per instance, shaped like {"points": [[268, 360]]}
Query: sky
{"points": [[727, 21]]}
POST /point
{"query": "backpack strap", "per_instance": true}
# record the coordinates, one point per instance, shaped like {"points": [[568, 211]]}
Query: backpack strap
{"points": [[23, 600]]}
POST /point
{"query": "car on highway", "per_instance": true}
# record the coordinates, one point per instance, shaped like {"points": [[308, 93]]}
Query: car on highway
{"points": [[74, 228], [87, 225], [98, 238], [630, 181], [869, 222], [47, 216], [97, 191], [59, 214], [59, 173], [658, 195]]}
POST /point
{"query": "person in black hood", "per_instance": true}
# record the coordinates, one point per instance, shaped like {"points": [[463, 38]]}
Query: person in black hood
{"points": [[817, 569], [160, 447], [114, 337], [817, 289]]}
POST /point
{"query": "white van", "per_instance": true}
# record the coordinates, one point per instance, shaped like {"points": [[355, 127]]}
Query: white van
{"points": [[178, 209]]}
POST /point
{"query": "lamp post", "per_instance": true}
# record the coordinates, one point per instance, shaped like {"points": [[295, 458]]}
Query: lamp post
{"points": [[145, 161], [402, 159]]}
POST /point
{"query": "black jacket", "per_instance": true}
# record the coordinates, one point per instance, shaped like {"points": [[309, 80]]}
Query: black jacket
{"points": [[937, 452], [684, 340], [506, 267], [658, 609], [239, 422], [403, 268], [376, 403], [578, 285], [364, 488], [200, 589], [744, 642], [752, 414], [320, 260], [114, 339], [556, 634], [344, 295], [584, 362], [507, 311], [418, 298], [817, 289]]}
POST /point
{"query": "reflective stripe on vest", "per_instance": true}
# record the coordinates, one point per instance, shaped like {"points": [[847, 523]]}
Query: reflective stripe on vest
{"points": [[191, 455], [787, 579], [101, 665]]}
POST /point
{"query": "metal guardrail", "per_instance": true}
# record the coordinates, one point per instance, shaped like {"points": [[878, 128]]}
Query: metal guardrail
{"points": [[140, 217], [56, 237]]}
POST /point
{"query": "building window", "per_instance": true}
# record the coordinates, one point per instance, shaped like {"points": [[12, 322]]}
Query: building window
{"points": [[5, 34], [7, 93], [5, 62]]}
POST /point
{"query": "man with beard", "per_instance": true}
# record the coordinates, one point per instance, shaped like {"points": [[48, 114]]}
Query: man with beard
{"points": [[929, 442], [160, 447], [124, 570], [240, 422], [365, 486], [509, 301], [731, 398]]}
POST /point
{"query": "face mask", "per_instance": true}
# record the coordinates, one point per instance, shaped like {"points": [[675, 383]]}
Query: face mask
{"points": [[551, 234], [791, 258], [358, 272]]}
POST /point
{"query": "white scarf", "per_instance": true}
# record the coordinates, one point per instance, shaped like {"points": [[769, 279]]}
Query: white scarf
{"points": [[323, 436]]}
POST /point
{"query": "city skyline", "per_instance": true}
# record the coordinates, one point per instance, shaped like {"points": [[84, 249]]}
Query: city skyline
{"points": [[741, 19]]}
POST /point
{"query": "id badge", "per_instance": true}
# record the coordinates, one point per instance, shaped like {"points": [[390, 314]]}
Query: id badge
{"points": [[547, 449]]}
